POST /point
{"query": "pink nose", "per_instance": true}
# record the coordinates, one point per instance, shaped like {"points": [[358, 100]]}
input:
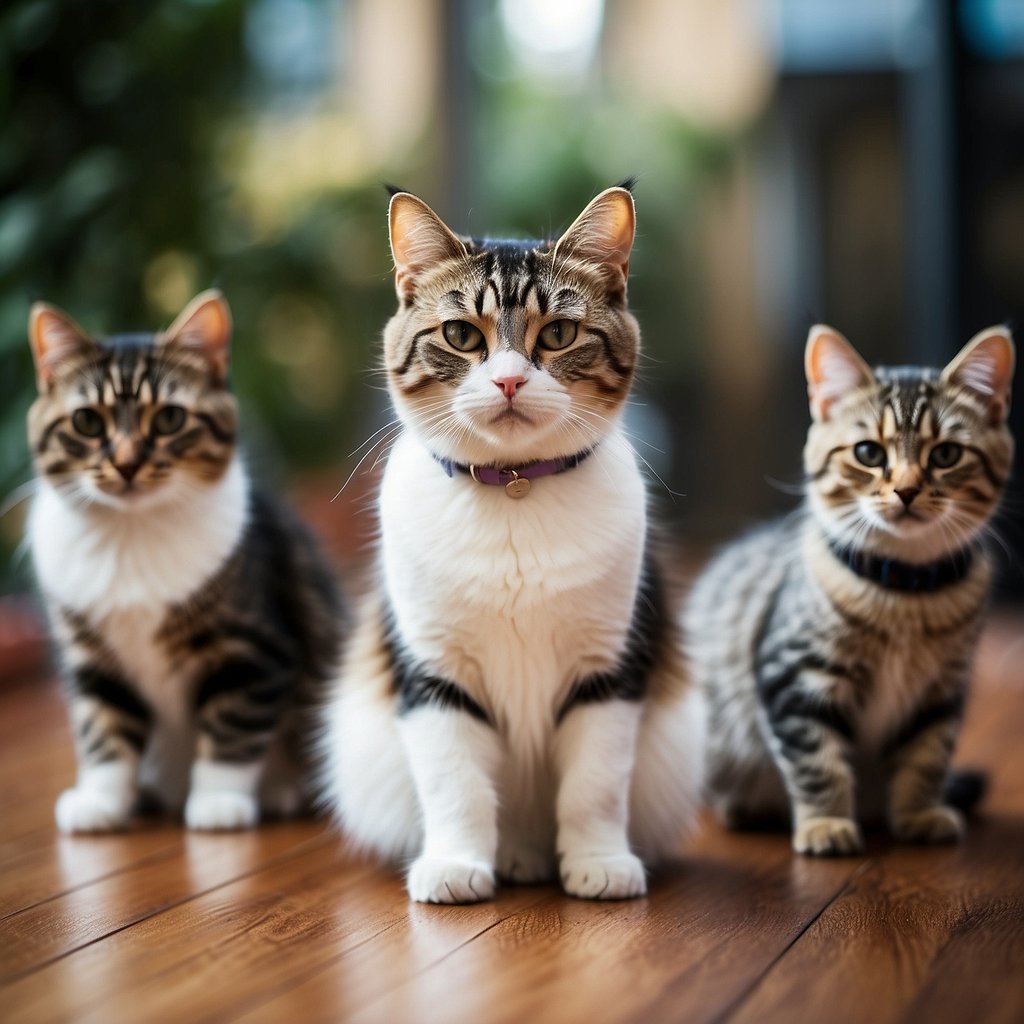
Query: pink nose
{"points": [[509, 385]]}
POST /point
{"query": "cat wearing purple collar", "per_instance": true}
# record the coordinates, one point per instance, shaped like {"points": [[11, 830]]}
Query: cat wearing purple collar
{"points": [[514, 702], [834, 645]]}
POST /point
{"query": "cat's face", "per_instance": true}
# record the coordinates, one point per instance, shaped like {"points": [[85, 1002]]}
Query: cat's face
{"points": [[505, 352], [133, 421], [908, 461]]}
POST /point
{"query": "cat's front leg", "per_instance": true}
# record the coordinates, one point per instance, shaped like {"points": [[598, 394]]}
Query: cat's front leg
{"points": [[453, 755], [595, 752], [918, 760], [111, 724], [809, 736], [240, 705]]}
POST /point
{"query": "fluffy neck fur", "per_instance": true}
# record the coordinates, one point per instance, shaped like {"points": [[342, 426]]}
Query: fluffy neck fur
{"points": [[96, 559]]}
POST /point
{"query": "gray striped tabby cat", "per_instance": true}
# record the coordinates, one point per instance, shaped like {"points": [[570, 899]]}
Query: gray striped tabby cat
{"points": [[514, 700], [834, 645], [194, 618]]}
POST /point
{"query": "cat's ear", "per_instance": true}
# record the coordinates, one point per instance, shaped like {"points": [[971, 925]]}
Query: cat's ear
{"points": [[833, 368], [602, 234], [204, 326], [419, 240], [54, 336], [985, 366]]}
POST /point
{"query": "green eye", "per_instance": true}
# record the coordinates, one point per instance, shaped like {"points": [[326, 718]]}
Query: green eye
{"points": [[463, 336], [88, 422], [557, 334], [169, 420], [869, 453], [945, 455]]}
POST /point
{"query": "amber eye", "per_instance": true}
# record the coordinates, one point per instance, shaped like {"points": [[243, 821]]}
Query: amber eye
{"points": [[869, 453], [169, 420], [463, 336], [88, 422], [558, 334], [945, 455]]}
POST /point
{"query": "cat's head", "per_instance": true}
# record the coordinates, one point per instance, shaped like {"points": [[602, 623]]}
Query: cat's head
{"points": [[908, 461], [132, 420], [505, 352]]}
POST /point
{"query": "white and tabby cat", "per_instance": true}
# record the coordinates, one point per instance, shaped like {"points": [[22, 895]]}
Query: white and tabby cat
{"points": [[194, 618], [834, 645], [514, 700]]}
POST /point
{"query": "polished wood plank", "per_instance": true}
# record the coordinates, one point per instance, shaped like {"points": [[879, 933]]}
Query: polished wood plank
{"points": [[160, 925]]}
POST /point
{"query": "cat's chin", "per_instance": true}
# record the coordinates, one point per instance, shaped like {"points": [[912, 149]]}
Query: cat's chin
{"points": [[130, 499]]}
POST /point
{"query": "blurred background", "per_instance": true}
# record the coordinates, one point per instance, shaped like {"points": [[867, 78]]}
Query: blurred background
{"points": [[797, 160]]}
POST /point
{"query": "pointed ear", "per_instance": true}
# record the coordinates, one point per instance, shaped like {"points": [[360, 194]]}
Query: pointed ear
{"points": [[603, 233], [419, 240], [54, 336], [985, 366], [204, 326], [833, 368]]}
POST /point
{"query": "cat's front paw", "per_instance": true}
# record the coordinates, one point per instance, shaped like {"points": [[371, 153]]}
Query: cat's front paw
{"points": [[215, 810], [90, 810], [828, 837], [595, 877], [937, 824], [443, 880], [525, 865]]}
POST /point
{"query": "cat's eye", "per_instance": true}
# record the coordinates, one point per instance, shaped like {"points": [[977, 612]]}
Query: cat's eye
{"points": [[945, 455], [463, 336], [88, 422], [869, 453], [169, 420], [558, 334]]}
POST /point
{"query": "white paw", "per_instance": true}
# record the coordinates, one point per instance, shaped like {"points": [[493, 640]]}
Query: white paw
{"points": [[592, 877], [220, 809], [525, 865], [933, 825], [439, 880], [89, 810], [824, 837]]}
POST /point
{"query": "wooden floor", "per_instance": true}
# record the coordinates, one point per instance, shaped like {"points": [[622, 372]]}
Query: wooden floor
{"points": [[281, 924]]}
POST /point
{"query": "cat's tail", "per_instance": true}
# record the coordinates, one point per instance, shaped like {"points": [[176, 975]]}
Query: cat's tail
{"points": [[965, 788]]}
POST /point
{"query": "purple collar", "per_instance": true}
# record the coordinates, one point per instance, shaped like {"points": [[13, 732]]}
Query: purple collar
{"points": [[516, 481]]}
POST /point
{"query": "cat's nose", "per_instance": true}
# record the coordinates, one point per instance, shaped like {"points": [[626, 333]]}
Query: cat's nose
{"points": [[127, 469], [907, 495], [125, 458], [509, 385]]}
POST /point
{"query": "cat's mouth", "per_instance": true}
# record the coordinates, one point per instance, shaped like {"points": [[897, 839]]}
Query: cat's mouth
{"points": [[510, 414]]}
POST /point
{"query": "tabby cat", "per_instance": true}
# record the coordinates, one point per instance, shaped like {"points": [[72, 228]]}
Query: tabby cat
{"points": [[834, 645], [194, 618], [513, 702]]}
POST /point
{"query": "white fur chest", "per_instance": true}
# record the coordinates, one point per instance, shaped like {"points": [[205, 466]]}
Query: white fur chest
{"points": [[99, 561], [514, 599]]}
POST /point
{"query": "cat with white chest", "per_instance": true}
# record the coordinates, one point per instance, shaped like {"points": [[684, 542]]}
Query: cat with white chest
{"points": [[513, 703], [194, 617]]}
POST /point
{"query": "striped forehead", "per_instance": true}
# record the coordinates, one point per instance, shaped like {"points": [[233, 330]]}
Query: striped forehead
{"points": [[126, 372], [906, 396], [508, 276]]}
